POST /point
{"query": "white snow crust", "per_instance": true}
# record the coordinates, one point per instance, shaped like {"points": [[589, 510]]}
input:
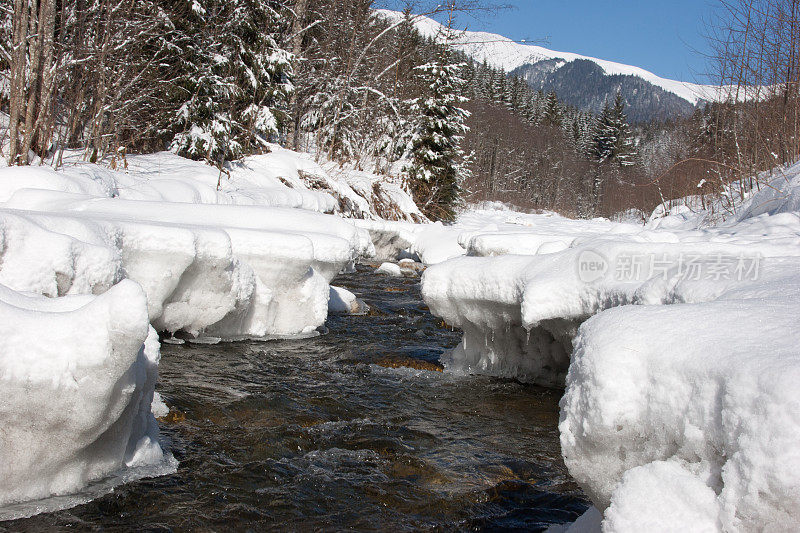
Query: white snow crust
{"points": [[208, 269]]}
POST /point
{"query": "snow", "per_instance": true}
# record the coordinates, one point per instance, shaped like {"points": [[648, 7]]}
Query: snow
{"points": [[229, 271], [77, 259], [519, 313], [344, 302], [486, 229], [437, 243], [78, 375], [676, 345], [718, 404], [280, 178], [379, 197], [773, 192], [391, 239], [685, 503], [503, 53], [390, 269], [780, 194], [90, 256]]}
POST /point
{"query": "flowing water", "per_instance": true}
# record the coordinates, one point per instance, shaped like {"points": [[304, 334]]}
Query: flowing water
{"points": [[326, 434]]}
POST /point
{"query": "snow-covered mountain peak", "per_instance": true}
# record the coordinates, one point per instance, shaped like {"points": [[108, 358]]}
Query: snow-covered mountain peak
{"points": [[501, 52]]}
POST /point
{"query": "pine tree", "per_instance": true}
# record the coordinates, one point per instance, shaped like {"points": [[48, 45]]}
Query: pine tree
{"points": [[611, 146], [499, 83], [437, 160]]}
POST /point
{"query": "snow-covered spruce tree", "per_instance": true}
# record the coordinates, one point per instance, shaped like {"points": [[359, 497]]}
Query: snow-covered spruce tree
{"points": [[612, 149], [236, 79], [612, 140], [437, 161]]}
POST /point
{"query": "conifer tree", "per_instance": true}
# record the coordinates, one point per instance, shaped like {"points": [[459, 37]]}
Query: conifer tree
{"points": [[437, 168], [612, 146], [612, 140], [552, 111], [499, 83], [236, 80]]}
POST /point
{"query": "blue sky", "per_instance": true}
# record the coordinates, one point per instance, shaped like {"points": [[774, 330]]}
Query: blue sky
{"points": [[662, 36]]}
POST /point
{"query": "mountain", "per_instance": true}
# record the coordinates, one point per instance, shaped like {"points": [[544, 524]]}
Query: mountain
{"points": [[583, 81], [585, 85]]}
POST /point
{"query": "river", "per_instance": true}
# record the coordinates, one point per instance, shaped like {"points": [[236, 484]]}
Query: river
{"points": [[326, 434]]}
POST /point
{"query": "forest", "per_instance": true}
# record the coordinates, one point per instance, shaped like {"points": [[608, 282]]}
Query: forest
{"points": [[216, 80]]}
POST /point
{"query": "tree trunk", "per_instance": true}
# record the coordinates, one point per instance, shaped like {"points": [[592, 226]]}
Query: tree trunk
{"points": [[18, 70]]}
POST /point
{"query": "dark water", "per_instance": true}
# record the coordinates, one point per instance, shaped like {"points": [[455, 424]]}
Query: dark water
{"points": [[317, 435]]}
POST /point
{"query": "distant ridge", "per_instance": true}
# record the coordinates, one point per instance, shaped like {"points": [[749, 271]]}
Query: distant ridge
{"points": [[583, 81]]}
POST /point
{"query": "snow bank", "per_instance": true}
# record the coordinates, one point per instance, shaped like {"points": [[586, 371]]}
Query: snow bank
{"points": [[437, 243], [378, 197], [391, 240], [716, 407], [209, 267], [77, 375], [776, 191], [489, 229], [85, 180], [678, 350], [780, 195], [520, 313], [484, 298], [209, 270], [281, 178]]}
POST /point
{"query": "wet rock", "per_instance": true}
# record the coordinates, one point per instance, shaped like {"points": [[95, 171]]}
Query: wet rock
{"points": [[408, 362]]}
